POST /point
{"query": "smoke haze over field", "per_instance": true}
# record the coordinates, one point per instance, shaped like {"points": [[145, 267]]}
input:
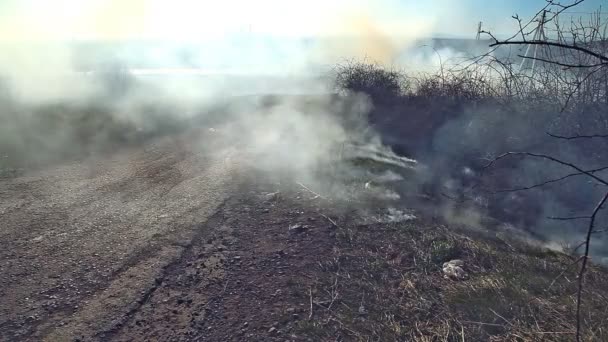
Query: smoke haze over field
{"points": [[125, 57], [142, 64], [45, 43], [163, 162], [148, 65], [186, 20]]}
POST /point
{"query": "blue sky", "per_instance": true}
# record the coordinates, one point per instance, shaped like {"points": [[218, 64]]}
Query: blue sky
{"points": [[460, 17], [496, 14]]}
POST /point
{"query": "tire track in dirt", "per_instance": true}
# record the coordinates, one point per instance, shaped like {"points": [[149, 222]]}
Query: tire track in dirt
{"points": [[242, 281], [212, 271]]}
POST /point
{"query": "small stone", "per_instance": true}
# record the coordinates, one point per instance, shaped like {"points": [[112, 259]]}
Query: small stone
{"points": [[455, 262], [362, 310], [454, 269], [271, 196], [272, 330]]}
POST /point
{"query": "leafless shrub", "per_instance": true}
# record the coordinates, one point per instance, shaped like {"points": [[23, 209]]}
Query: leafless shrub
{"points": [[380, 84]]}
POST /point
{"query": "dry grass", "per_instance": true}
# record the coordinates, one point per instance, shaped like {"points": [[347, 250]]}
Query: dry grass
{"points": [[385, 283]]}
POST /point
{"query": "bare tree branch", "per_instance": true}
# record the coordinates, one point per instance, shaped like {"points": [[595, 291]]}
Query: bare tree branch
{"points": [[578, 136], [581, 273], [571, 218], [547, 6], [599, 56], [565, 65], [564, 7], [554, 180], [547, 157], [579, 53], [577, 88]]}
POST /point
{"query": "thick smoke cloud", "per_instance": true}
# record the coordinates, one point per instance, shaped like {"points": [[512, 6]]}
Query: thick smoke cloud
{"points": [[147, 67], [46, 43], [79, 77]]}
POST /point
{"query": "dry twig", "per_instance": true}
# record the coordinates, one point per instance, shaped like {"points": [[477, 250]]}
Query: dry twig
{"points": [[311, 309]]}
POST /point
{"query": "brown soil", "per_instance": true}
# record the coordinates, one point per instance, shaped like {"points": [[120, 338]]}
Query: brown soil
{"points": [[236, 282]]}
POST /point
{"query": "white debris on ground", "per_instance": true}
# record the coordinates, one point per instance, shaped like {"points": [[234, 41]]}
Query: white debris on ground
{"points": [[396, 215], [391, 215], [454, 269]]}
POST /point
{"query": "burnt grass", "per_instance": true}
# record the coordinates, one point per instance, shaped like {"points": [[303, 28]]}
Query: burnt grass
{"points": [[283, 264]]}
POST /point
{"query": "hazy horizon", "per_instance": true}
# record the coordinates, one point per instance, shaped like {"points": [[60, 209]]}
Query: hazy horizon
{"points": [[191, 21]]}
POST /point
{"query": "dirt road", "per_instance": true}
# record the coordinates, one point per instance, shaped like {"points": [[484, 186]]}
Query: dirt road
{"points": [[82, 243]]}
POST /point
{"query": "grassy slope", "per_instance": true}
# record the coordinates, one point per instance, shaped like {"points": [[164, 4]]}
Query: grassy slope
{"points": [[383, 282]]}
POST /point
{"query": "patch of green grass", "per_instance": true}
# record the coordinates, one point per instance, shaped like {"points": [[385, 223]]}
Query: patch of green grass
{"points": [[444, 250]]}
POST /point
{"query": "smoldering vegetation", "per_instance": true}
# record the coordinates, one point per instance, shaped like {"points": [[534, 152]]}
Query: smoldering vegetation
{"points": [[458, 121], [360, 130]]}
